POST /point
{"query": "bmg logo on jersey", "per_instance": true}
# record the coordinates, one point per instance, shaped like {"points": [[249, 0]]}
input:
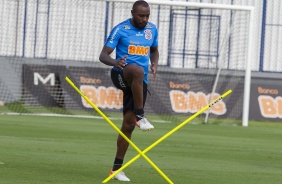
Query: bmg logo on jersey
{"points": [[138, 50]]}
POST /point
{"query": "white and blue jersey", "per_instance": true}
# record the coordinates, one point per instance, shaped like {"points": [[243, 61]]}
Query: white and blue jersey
{"points": [[133, 42]]}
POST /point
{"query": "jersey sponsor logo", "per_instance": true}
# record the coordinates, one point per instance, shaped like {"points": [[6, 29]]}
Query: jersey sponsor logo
{"points": [[133, 43], [138, 50], [139, 34], [148, 34]]}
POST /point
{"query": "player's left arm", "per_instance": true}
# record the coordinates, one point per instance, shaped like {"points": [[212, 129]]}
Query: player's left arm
{"points": [[154, 57]]}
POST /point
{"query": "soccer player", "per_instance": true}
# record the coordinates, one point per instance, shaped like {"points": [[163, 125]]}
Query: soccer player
{"points": [[136, 43]]}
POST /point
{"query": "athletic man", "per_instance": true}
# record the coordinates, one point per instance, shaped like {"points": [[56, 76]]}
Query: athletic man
{"points": [[136, 42]]}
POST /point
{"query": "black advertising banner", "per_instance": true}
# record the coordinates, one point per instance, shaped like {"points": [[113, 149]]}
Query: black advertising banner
{"points": [[171, 93], [266, 100], [42, 85]]}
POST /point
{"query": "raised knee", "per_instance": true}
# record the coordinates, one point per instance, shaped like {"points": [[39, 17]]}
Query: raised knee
{"points": [[139, 72], [135, 70]]}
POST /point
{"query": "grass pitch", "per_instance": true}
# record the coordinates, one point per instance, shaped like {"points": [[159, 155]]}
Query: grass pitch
{"points": [[39, 150]]}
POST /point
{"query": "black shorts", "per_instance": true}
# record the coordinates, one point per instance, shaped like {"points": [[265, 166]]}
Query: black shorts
{"points": [[120, 83]]}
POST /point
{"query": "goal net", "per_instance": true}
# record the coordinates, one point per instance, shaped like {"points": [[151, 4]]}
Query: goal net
{"points": [[204, 51]]}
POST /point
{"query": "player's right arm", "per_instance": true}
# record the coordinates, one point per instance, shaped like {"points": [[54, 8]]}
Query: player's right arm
{"points": [[108, 60]]}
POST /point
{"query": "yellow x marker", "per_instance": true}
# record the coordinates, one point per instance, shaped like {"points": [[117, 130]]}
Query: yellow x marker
{"points": [[142, 153]]}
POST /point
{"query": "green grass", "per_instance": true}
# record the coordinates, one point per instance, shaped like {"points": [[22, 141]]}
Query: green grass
{"points": [[42, 150]]}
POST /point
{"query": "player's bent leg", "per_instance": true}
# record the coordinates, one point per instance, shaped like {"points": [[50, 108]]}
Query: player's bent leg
{"points": [[134, 75]]}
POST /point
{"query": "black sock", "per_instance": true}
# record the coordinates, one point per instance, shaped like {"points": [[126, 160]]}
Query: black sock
{"points": [[139, 113], [117, 164]]}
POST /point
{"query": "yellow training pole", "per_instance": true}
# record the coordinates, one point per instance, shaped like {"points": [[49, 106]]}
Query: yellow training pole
{"points": [[173, 130], [114, 126]]}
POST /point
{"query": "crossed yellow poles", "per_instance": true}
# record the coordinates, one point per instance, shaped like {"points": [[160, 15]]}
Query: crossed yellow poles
{"points": [[142, 153]]}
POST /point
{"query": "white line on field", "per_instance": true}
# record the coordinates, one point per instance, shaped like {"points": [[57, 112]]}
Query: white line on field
{"points": [[160, 121], [57, 115], [1, 163], [76, 116]]}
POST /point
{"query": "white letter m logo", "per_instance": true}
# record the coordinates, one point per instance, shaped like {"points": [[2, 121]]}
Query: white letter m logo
{"points": [[38, 77]]}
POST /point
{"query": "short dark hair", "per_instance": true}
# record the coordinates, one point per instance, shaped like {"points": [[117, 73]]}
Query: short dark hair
{"points": [[139, 3]]}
